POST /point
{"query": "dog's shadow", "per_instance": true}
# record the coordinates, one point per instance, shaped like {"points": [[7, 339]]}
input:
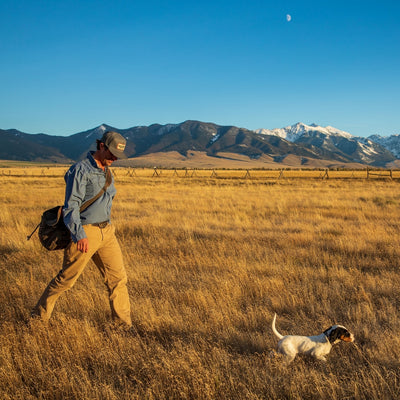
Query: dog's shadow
{"points": [[244, 344], [302, 360]]}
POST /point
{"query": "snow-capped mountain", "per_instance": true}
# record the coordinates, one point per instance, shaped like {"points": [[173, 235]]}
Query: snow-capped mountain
{"points": [[330, 140], [294, 132]]}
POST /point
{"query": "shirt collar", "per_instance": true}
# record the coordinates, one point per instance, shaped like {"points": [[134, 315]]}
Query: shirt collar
{"points": [[92, 160]]}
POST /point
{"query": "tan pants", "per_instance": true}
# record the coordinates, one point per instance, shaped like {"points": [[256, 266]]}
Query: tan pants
{"points": [[104, 250]]}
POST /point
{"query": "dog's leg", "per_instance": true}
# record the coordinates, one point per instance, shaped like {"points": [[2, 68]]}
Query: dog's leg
{"points": [[288, 358], [318, 356], [288, 355]]}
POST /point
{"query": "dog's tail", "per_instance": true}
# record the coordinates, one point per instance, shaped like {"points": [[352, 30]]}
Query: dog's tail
{"points": [[277, 334]]}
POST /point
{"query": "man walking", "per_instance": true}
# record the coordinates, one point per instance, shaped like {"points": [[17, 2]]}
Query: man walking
{"points": [[92, 234]]}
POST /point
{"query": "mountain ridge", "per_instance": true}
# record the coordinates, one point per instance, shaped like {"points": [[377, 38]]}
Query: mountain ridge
{"points": [[306, 142]]}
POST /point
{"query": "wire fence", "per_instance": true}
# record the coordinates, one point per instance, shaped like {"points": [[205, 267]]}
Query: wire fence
{"points": [[215, 173]]}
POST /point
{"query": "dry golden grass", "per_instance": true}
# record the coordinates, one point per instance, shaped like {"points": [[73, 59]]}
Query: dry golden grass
{"points": [[209, 261]]}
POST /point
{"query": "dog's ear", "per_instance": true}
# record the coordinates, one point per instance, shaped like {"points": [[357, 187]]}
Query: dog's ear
{"points": [[327, 332], [336, 333]]}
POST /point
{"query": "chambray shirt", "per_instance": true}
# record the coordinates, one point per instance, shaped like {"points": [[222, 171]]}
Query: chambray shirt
{"points": [[83, 181]]}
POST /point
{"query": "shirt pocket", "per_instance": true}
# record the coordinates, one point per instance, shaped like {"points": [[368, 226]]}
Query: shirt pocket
{"points": [[94, 185]]}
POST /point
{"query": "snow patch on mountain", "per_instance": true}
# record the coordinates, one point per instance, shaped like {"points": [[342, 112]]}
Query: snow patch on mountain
{"points": [[215, 137], [367, 149], [99, 131], [166, 129], [391, 143]]}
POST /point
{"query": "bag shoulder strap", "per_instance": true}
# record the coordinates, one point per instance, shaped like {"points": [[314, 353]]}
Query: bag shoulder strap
{"points": [[86, 204]]}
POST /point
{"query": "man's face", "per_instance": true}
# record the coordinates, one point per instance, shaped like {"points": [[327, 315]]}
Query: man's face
{"points": [[106, 157]]}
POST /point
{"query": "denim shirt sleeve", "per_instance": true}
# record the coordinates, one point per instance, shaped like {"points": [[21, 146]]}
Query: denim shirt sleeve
{"points": [[75, 192]]}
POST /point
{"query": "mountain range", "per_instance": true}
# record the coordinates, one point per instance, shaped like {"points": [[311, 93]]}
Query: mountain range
{"points": [[299, 144]]}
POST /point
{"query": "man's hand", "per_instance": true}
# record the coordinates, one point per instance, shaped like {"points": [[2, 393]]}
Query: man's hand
{"points": [[83, 245]]}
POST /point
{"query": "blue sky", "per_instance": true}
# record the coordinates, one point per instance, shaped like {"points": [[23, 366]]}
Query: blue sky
{"points": [[68, 66]]}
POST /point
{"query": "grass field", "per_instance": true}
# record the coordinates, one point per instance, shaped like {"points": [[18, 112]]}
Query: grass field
{"points": [[209, 262]]}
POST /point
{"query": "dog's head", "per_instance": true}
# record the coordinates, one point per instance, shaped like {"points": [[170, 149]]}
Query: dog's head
{"points": [[336, 333]]}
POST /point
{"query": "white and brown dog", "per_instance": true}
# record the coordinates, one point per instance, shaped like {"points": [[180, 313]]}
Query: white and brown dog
{"points": [[317, 346]]}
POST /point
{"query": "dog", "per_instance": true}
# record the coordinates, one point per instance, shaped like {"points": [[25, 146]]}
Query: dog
{"points": [[317, 346]]}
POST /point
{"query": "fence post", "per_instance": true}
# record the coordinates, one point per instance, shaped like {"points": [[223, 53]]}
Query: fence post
{"points": [[155, 173], [132, 172]]}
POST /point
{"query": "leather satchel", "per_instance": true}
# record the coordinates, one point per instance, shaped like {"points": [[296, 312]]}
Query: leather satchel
{"points": [[53, 234]]}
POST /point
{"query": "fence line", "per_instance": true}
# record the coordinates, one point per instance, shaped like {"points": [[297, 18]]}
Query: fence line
{"points": [[216, 173], [254, 174]]}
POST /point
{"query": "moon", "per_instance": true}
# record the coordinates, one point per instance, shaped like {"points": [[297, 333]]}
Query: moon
{"points": [[288, 17]]}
